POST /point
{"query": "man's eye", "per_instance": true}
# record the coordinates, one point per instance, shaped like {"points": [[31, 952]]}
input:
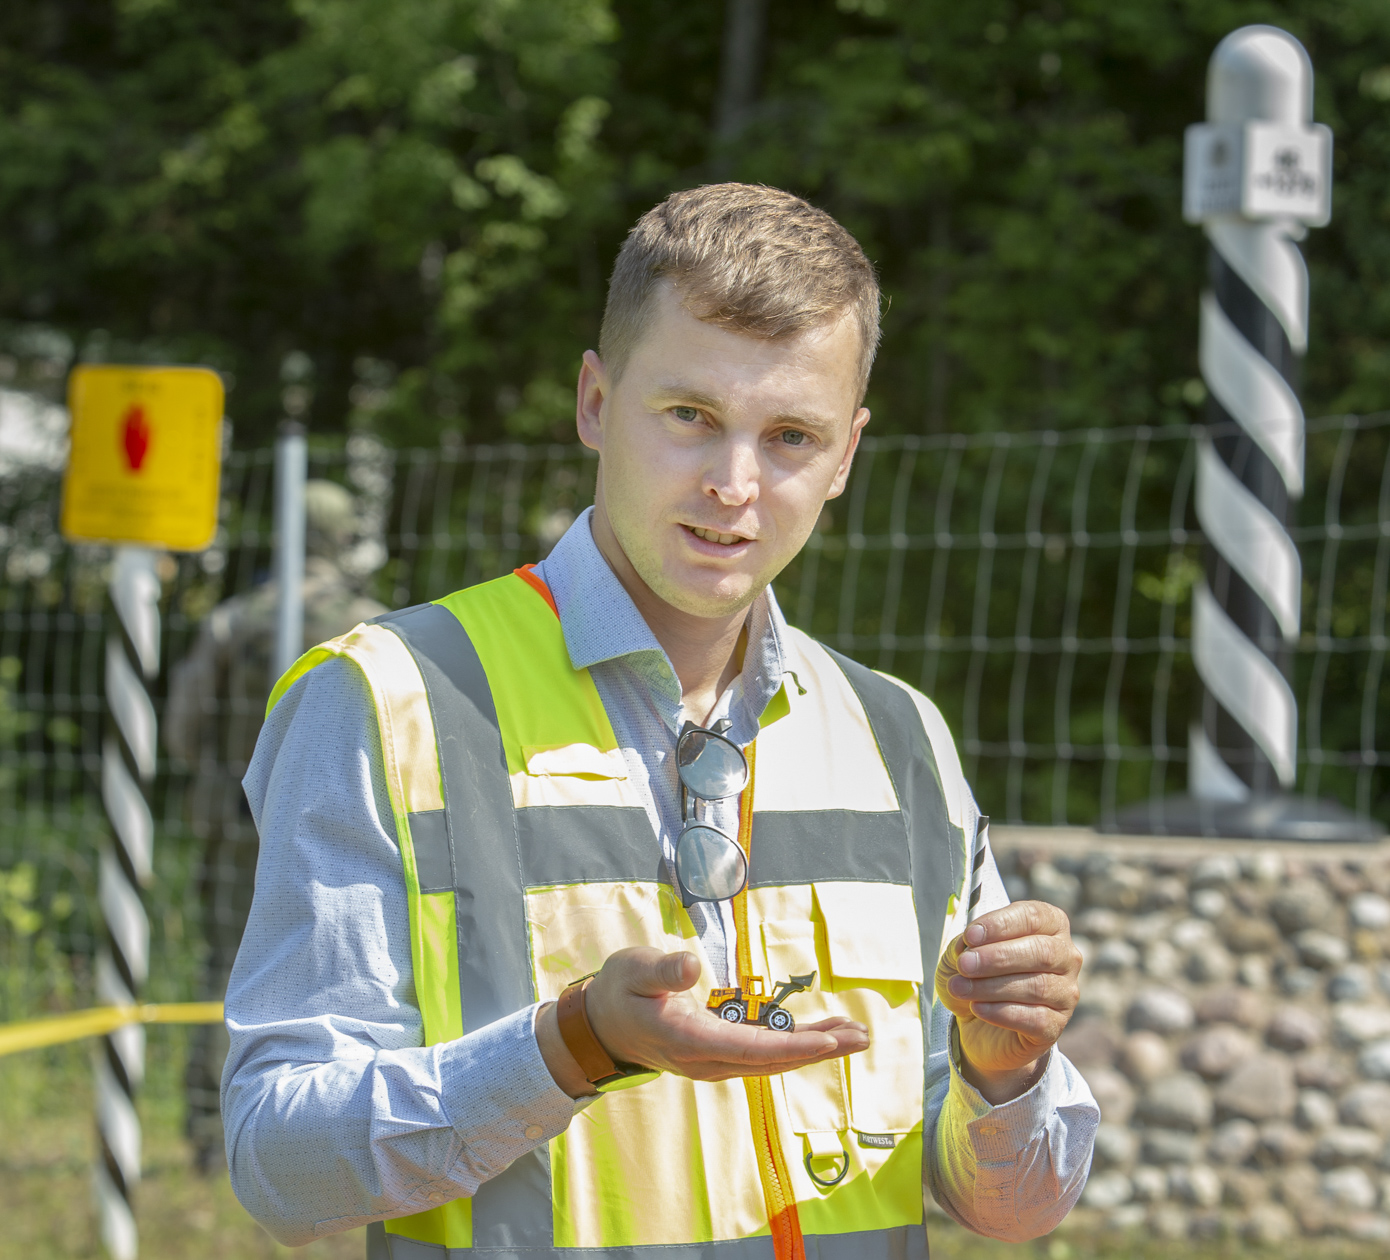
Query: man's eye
{"points": [[793, 437], [688, 414]]}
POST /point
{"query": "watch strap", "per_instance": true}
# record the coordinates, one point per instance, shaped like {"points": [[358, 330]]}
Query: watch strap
{"points": [[577, 1033]]}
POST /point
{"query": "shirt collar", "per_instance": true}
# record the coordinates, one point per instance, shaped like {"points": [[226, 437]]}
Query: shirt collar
{"points": [[601, 623]]}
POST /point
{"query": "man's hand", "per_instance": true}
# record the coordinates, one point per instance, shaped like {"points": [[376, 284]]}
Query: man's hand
{"points": [[1010, 979], [641, 1012]]}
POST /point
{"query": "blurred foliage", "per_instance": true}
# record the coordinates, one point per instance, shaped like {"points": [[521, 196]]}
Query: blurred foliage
{"points": [[399, 214]]}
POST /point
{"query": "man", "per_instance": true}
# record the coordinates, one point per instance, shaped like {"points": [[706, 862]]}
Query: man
{"points": [[216, 705], [624, 762]]}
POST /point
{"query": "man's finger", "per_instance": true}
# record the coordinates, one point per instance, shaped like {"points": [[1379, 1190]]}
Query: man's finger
{"points": [[650, 973], [704, 1037], [1037, 988], [1054, 954], [1037, 1023], [1022, 918]]}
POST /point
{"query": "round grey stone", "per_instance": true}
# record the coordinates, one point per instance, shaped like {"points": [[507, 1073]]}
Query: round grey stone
{"points": [[1259, 1088], [1319, 1070], [1179, 1101], [1281, 1143], [1145, 1056], [1269, 1223], [1170, 1146], [1221, 870], [1211, 964], [1303, 903], [1150, 1183], [1367, 1105], [1316, 1109], [1370, 911], [1090, 1042], [1350, 1188], [1294, 1028], [1374, 1060], [1342, 1145], [1107, 1190], [1161, 1010], [1232, 1005], [1118, 888], [1047, 883], [1116, 955], [1216, 1049], [1353, 983], [1209, 903], [1114, 1095], [1356, 1023], [1099, 924], [1321, 949], [1298, 980], [1368, 1227], [1168, 1220], [1116, 1145], [1233, 1142], [1162, 961], [1198, 1184]]}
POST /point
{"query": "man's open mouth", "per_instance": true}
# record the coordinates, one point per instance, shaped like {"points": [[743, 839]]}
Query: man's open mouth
{"points": [[714, 536]]}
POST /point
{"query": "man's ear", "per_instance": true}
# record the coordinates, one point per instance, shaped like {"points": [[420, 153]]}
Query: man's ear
{"points": [[590, 395], [837, 487]]}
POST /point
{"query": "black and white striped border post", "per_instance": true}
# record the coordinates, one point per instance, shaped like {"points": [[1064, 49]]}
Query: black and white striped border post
{"points": [[1256, 173], [127, 771]]}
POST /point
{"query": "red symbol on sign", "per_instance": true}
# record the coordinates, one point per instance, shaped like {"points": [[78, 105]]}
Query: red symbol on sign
{"points": [[135, 437]]}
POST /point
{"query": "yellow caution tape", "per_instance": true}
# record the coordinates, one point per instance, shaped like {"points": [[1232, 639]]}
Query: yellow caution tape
{"points": [[30, 1034]]}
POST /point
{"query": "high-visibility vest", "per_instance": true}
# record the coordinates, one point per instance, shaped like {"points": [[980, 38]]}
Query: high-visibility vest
{"points": [[529, 858]]}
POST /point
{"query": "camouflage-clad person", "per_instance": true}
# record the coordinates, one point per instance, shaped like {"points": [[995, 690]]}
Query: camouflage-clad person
{"points": [[217, 699]]}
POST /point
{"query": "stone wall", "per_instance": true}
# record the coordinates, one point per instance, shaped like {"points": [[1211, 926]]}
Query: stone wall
{"points": [[1234, 1025]]}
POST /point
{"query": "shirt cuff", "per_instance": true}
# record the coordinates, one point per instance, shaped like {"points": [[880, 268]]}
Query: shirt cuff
{"points": [[499, 1094], [999, 1132]]}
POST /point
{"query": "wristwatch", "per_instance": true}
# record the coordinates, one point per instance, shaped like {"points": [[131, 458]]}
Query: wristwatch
{"points": [[594, 1061]]}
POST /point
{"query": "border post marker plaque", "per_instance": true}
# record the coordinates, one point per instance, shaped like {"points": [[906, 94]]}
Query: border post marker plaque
{"points": [[143, 474]]}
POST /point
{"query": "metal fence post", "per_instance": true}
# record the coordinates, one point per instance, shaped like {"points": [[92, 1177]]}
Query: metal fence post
{"points": [[291, 472], [128, 761]]}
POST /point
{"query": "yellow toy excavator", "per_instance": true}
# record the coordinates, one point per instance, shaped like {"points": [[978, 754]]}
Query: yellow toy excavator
{"points": [[748, 1003]]}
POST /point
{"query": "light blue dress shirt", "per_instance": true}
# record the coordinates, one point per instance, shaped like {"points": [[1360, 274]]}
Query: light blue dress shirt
{"points": [[336, 1115]]}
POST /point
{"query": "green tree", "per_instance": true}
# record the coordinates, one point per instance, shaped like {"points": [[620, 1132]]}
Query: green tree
{"points": [[407, 208]]}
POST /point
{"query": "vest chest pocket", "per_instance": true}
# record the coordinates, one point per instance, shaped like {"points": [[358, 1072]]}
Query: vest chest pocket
{"points": [[864, 946]]}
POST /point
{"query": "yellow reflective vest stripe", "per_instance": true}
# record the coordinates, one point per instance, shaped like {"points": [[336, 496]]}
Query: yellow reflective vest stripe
{"points": [[529, 858]]}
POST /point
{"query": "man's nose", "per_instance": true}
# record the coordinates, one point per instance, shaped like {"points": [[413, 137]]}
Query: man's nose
{"points": [[734, 476]]}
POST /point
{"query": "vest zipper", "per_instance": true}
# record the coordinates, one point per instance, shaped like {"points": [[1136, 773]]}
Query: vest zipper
{"points": [[782, 1217]]}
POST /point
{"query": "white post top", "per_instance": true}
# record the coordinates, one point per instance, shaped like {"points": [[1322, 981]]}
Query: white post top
{"points": [[1260, 74]]}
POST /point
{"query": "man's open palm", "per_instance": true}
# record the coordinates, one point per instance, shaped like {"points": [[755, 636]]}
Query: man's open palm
{"points": [[642, 1012]]}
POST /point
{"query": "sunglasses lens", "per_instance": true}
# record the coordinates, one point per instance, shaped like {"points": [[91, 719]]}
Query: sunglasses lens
{"points": [[710, 766], [709, 866]]}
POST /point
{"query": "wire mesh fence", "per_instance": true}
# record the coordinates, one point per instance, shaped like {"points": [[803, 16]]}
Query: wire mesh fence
{"points": [[1036, 585]]}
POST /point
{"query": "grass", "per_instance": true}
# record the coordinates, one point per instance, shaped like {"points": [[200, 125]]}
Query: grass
{"points": [[47, 1142]]}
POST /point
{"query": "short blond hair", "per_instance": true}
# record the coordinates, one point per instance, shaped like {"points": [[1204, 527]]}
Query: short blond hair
{"points": [[745, 257]]}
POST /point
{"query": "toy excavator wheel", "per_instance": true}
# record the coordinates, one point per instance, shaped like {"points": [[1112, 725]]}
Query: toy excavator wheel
{"points": [[781, 1020], [732, 1012]]}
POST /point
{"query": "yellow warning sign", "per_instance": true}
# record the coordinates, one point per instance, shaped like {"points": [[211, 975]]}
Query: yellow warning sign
{"points": [[146, 456]]}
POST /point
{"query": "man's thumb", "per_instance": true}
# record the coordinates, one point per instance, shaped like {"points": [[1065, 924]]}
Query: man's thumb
{"points": [[665, 973]]}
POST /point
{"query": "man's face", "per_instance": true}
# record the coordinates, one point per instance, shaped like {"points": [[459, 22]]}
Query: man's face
{"points": [[718, 450]]}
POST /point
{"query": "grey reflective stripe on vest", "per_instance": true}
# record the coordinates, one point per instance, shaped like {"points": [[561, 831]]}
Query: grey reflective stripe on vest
{"points": [[906, 1243], [480, 823], [806, 846], [482, 864], [936, 845]]}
